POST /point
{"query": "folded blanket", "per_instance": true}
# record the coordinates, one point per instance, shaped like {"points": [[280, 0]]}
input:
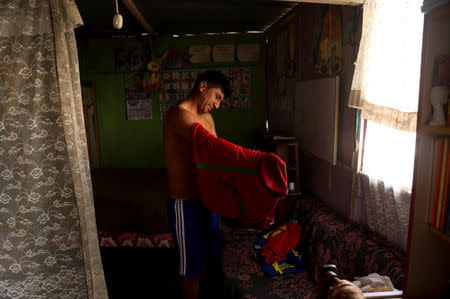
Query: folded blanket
{"points": [[236, 182]]}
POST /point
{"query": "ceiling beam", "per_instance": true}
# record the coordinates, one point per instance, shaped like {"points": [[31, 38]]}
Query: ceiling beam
{"points": [[138, 16], [337, 2]]}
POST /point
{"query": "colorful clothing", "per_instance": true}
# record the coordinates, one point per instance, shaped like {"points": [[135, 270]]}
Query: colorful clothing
{"points": [[195, 233], [236, 182], [284, 238], [276, 249]]}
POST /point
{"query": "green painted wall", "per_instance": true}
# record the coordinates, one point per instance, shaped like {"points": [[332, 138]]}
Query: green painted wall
{"points": [[138, 143]]}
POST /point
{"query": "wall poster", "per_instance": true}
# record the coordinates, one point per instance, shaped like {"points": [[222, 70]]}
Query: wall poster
{"points": [[130, 58], [223, 53], [139, 105], [200, 53], [248, 52], [177, 84]]}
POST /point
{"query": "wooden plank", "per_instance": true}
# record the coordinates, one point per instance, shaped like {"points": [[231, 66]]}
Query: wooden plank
{"points": [[391, 294], [335, 2], [137, 14], [435, 130], [438, 233]]}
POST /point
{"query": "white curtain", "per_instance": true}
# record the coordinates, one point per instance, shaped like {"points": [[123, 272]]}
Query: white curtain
{"points": [[389, 209], [386, 80], [385, 88], [48, 235]]}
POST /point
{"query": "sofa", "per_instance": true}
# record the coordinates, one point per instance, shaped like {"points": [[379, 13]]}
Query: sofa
{"points": [[326, 238]]}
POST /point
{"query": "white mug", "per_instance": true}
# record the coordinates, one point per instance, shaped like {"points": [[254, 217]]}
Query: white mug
{"points": [[291, 186]]}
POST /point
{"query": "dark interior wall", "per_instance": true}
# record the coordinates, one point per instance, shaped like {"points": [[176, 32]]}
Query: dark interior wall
{"points": [[138, 143], [333, 184], [311, 17]]}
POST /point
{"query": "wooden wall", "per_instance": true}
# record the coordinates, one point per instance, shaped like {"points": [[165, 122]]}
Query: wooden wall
{"points": [[332, 184]]}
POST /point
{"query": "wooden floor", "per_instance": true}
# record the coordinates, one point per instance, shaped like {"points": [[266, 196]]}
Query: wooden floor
{"points": [[133, 272], [136, 272]]}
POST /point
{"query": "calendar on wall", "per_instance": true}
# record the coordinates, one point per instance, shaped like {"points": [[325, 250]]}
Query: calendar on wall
{"points": [[177, 84]]}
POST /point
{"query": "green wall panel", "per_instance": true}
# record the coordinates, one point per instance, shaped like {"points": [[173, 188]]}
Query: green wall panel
{"points": [[138, 143]]}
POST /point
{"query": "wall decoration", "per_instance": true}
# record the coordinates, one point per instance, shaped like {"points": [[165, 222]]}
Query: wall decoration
{"points": [[154, 68], [176, 86], [187, 58], [173, 58], [223, 53], [154, 75], [138, 109], [240, 81], [200, 53], [131, 58], [138, 99], [328, 60], [248, 52]]}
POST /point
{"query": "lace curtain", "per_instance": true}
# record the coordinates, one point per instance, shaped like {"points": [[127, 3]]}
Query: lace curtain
{"points": [[389, 209], [386, 79], [385, 88], [48, 235]]}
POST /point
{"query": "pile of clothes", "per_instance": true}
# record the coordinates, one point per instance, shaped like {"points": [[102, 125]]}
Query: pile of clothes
{"points": [[276, 249]]}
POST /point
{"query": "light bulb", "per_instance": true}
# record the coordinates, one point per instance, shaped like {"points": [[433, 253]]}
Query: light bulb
{"points": [[117, 21]]}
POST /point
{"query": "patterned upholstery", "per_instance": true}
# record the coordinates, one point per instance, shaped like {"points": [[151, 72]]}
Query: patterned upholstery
{"points": [[112, 239], [245, 279], [326, 238], [329, 239]]}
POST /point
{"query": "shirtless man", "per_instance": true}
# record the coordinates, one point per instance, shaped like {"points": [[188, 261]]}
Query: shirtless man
{"points": [[195, 230]]}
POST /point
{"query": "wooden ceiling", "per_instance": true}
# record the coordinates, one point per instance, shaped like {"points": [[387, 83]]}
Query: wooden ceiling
{"points": [[180, 16], [169, 17]]}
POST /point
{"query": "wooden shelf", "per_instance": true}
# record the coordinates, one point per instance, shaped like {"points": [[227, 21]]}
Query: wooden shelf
{"points": [[428, 259], [288, 151], [438, 233], [434, 130], [389, 294], [294, 193]]}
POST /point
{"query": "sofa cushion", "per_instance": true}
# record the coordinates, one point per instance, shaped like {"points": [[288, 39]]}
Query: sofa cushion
{"points": [[329, 239], [245, 279]]}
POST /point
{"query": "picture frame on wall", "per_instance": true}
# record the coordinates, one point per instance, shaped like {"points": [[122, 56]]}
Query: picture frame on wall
{"points": [[138, 99]]}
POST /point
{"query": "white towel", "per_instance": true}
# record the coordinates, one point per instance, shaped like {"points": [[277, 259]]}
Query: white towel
{"points": [[374, 283]]}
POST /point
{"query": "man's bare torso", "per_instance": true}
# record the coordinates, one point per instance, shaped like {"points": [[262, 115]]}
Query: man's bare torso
{"points": [[178, 154]]}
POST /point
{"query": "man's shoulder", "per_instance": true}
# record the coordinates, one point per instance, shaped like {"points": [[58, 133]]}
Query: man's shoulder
{"points": [[179, 117], [177, 112]]}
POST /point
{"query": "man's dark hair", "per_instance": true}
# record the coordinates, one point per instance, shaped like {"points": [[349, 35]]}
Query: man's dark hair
{"points": [[214, 79]]}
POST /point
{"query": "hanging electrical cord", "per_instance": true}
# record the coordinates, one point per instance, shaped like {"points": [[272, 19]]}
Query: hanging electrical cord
{"points": [[117, 19]]}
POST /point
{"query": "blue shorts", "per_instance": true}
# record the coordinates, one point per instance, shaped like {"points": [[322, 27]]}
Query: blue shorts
{"points": [[195, 232]]}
